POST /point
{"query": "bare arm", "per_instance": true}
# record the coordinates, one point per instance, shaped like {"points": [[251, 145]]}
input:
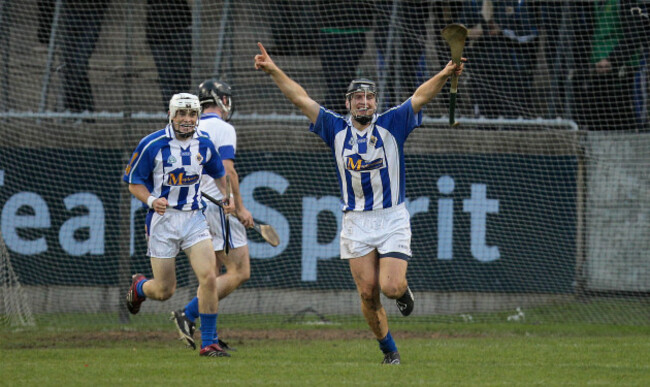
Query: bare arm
{"points": [[290, 88], [244, 216], [229, 205], [142, 193], [432, 87]]}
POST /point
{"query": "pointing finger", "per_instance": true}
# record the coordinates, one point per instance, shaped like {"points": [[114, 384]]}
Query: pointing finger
{"points": [[262, 49]]}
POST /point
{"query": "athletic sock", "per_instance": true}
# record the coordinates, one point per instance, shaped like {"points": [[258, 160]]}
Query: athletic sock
{"points": [[192, 309], [208, 328], [139, 290], [387, 344]]}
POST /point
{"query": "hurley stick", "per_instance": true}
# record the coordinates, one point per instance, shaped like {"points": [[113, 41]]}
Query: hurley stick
{"points": [[454, 35], [265, 230]]}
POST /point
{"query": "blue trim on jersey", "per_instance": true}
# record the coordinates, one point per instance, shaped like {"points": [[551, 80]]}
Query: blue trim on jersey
{"points": [[207, 116], [214, 166], [227, 152], [325, 126]]}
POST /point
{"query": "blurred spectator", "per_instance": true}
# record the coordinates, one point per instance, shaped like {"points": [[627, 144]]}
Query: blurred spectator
{"points": [[169, 35], [80, 25], [343, 26], [556, 19], [610, 39], [401, 56], [503, 46]]}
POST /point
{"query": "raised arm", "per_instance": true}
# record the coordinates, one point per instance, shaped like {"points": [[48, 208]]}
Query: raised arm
{"points": [[432, 87], [290, 88]]}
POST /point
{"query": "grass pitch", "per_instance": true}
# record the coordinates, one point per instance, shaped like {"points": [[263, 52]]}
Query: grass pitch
{"points": [[307, 355]]}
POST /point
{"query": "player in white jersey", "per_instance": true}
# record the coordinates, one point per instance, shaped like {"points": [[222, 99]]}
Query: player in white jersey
{"points": [[165, 173], [369, 152], [216, 104]]}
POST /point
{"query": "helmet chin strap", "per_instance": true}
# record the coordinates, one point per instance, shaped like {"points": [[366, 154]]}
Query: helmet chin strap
{"points": [[184, 135]]}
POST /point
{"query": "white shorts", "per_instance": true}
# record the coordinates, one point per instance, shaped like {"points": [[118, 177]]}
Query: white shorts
{"points": [[388, 230], [174, 231], [216, 222]]}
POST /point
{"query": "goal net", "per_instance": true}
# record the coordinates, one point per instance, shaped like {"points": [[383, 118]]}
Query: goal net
{"points": [[15, 309], [534, 209]]}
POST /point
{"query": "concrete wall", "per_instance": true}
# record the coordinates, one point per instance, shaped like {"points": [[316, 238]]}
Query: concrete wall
{"points": [[618, 212]]}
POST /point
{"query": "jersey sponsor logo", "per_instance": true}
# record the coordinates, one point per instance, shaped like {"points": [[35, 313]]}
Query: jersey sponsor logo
{"points": [[186, 153], [356, 163], [179, 178]]}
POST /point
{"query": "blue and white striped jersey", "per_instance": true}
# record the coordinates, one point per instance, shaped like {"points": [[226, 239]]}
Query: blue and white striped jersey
{"points": [[370, 163], [172, 169], [224, 138]]}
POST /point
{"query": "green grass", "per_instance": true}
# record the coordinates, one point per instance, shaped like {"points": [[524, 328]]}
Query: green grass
{"points": [[304, 355]]}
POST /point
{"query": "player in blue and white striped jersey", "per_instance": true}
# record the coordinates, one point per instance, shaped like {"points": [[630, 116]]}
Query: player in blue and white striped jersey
{"points": [[216, 106], [165, 173], [368, 148]]}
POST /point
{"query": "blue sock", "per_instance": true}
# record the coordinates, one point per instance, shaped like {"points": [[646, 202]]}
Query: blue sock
{"points": [[192, 309], [387, 344], [138, 289], [208, 328]]}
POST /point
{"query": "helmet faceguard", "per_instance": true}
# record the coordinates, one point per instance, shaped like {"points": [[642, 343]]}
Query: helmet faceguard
{"points": [[214, 91], [365, 86], [184, 101]]}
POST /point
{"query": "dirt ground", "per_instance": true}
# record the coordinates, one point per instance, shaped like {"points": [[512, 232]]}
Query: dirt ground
{"points": [[234, 337]]}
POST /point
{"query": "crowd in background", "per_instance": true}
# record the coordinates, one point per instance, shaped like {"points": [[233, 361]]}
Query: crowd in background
{"points": [[595, 51]]}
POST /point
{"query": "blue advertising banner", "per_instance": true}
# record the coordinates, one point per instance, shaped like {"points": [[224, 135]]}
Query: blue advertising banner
{"points": [[481, 223]]}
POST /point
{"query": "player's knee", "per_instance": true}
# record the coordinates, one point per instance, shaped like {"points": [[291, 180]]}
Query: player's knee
{"points": [[243, 275], [166, 291], [240, 267], [208, 281], [369, 297], [393, 290]]}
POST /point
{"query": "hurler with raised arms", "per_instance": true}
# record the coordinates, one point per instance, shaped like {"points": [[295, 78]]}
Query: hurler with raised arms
{"points": [[368, 148]]}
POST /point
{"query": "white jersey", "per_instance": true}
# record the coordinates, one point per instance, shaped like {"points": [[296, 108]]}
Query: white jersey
{"points": [[370, 163], [224, 138], [173, 169]]}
